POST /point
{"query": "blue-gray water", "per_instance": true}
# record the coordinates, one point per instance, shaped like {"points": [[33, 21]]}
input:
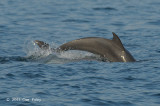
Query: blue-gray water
{"points": [[28, 74]]}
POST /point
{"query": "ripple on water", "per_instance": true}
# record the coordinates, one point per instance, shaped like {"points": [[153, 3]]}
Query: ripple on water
{"points": [[157, 22], [76, 20], [100, 102], [4, 60], [10, 75], [156, 95], [32, 75], [42, 93], [3, 92], [105, 9]]}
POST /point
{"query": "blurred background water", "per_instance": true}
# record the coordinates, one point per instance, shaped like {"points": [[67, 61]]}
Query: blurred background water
{"points": [[68, 80]]}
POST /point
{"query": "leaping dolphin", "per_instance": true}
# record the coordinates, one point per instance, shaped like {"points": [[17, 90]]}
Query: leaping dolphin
{"points": [[110, 50]]}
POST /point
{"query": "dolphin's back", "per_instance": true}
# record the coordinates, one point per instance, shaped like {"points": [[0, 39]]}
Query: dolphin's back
{"points": [[103, 47], [90, 44]]}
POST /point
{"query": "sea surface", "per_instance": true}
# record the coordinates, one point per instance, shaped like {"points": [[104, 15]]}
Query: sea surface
{"points": [[30, 76]]}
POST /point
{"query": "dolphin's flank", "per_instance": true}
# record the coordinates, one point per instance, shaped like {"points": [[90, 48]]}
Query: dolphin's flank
{"points": [[111, 50]]}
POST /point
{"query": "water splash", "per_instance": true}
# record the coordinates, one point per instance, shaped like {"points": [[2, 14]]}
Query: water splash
{"points": [[34, 53]]}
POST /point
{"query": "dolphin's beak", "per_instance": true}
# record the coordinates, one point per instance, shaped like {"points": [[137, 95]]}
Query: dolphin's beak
{"points": [[42, 44], [36, 41]]}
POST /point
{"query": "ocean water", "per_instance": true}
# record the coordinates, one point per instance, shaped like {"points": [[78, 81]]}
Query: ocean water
{"points": [[32, 77]]}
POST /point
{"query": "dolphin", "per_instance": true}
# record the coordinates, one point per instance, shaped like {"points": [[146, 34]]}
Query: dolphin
{"points": [[110, 50]]}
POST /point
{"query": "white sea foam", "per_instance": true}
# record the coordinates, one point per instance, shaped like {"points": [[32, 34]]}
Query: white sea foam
{"points": [[35, 53]]}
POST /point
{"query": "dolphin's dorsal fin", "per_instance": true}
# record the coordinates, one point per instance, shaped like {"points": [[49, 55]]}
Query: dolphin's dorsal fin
{"points": [[117, 41]]}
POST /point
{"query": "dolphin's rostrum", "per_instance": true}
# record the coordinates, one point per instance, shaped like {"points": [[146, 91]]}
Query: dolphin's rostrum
{"points": [[110, 50]]}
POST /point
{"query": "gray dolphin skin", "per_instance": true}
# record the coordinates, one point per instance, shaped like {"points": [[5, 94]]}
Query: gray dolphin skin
{"points": [[110, 50]]}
